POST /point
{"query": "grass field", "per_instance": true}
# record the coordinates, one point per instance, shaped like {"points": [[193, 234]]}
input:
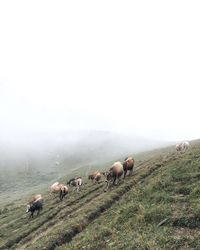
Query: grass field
{"points": [[156, 208]]}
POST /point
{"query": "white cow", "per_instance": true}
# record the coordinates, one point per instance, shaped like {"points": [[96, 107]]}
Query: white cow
{"points": [[76, 182], [182, 147]]}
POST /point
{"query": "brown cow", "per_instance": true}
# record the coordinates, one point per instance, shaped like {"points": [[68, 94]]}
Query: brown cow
{"points": [[128, 165], [59, 188], [95, 176], [35, 198], [115, 172]]}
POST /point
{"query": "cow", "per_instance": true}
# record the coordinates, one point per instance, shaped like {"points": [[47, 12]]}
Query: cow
{"points": [[35, 206], [114, 173], [182, 147], [185, 146], [59, 188], [34, 198], [95, 176], [128, 165], [178, 147], [75, 182]]}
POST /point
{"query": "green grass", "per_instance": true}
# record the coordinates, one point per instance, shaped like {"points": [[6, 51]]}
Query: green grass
{"points": [[171, 192], [165, 188]]}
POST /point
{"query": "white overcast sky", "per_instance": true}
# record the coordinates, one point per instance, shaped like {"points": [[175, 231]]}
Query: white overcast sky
{"points": [[125, 66]]}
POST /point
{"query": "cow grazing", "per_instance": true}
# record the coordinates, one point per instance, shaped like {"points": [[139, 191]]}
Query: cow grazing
{"points": [[115, 172], [59, 188], [63, 191], [185, 145], [34, 198], [35, 206], [178, 147], [54, 188], [95, 177], [128, 165], [182, 147], [75, 182]]}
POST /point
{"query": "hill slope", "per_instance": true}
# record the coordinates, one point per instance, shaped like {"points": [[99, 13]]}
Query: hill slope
{"points": [[156, 208], [46, 157]]}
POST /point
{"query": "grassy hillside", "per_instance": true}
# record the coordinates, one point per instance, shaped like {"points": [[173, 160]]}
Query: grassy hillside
{"points": [[51, 156], [156, 208]]}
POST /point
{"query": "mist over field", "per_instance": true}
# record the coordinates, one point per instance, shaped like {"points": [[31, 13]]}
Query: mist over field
{"points": [[86, 84], [47, 151]]}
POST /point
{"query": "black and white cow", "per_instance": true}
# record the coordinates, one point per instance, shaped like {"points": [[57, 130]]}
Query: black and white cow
{"points": [[35, 206], [75, 182]]}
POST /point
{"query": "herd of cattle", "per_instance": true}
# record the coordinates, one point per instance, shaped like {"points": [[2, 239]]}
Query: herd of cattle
{"points": [[111, 176]]}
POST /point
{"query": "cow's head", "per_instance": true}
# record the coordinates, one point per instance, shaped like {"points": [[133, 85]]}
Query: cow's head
{"points": [[108, 175], [28, 208]]}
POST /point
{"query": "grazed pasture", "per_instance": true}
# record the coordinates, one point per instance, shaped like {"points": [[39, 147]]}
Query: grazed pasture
{"points": [[156, 208]]}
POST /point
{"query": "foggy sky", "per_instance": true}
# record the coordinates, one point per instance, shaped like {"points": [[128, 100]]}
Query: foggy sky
{"points": [[128, 67]]}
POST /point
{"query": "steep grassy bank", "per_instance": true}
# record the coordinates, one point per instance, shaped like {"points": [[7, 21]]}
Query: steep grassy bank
{"points": [[160, 212], [156, 208]]}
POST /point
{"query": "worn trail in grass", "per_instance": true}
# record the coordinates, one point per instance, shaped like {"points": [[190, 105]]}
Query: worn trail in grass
{"points": [[89, 212], [169, 195], [18, 231], [22, 226], [165, 187], [65, 214]]}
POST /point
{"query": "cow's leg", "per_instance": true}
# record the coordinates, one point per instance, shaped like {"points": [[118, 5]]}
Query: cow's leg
{"points": [[117, 180], [125, 172], [107, 186], [114, 180], [61, 195], [77, 188]]}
